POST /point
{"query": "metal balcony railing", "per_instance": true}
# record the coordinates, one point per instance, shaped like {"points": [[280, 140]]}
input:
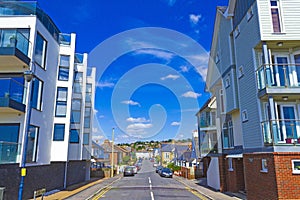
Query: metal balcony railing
{"points": [[12, 89], [9, 152], [14, 38], [276, 132], [278, 75]]}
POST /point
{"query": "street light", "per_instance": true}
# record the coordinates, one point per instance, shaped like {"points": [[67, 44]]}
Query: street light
{"points": [[112, 153], [28, 76]]}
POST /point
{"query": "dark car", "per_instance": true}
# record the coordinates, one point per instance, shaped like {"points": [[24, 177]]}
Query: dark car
{"points": [[128, 171], [166, 172], [158, 168]]}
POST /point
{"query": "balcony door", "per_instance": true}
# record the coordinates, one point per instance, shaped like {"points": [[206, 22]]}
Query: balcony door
{"points": [[281, 71], [289, 125], [297, 70]]}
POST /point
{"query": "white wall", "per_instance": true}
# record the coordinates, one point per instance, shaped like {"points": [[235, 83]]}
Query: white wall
{"points": [[213, 174]]}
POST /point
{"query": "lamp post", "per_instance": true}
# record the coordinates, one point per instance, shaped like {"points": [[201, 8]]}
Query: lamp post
{"points": [[28, 76], [112, 153]]}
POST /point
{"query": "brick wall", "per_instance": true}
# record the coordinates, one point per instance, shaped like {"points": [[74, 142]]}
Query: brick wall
{"points": [[260, 185], [278, 183], [288, 183], [235, 178], [222, 168]]}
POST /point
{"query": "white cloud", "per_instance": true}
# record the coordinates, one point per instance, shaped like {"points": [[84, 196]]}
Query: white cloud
{"points": [[105, 85], [137, 120], [175, 124], [101, 116], [184, 69], [139, 126], [194, 19], [155, 52], [191, 94], [132, 103], [98, 138], [170, 76]]}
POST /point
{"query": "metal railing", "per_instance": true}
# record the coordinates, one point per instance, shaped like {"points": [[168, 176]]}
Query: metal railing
{"points": [[14, 38], [281, 131], [12, 89], [278, 75], [9, 152]]}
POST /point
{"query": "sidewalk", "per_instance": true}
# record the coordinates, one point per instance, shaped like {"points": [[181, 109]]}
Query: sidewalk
{"points": [[209, 193], [81, 190]]}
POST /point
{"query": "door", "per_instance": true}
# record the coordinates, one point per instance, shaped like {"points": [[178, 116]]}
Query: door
{"points": [[281, 72], [288, 121], [297, 70]]}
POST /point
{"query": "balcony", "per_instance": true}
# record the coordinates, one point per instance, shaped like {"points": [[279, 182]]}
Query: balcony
{"points": [[281, 132], [278, 79], [9, 152], [65, 39], [14, 48], [12, 96]]}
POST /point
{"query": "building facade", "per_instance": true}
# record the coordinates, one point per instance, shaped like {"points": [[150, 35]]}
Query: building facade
{"points": [[36, 119], [254, 74]]}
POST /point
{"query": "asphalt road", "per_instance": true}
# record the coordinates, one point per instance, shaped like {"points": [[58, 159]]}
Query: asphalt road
{"points": [[147, 185]]}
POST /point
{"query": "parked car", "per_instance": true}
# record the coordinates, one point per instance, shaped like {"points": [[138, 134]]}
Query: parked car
{"points": [[135, 169], [158, 168], [166, 172], [155, 164], [128, 171]]}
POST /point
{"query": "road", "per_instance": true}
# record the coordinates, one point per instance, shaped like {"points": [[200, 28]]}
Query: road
{"points": [[147, 185]]}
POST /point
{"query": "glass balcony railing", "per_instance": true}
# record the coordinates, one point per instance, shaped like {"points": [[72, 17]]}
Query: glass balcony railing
{"points": [[276, 132], [78, 58], [14, 38], [65, 39], [11, 89], [278, 76], [9, 152], [21, 8]]}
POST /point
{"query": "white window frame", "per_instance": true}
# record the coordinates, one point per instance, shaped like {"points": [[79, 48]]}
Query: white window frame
{"points": [[250, 13], [222, 105], [264, 165], [241, 71], [230, 165], [279, 15], [295, 170], [244, 115], [227, 81], [236, 32]]}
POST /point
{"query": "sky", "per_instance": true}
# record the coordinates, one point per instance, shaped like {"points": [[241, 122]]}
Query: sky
{"points": [[151, 59]]}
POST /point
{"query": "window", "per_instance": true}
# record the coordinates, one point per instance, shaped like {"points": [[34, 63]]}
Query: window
{"points": [[87, 112], [227, 81], [9, 135], [40, 50], [59, 132], [32, 144], [88, 94], [217, 58], [76, 104], [275, 16], [264, 165], [36, 95], [76, 111], [87, 122], [249, 14], [77, 88], [296, 166], [78, 77], [61, 102], [236, 32], [74, 136], [244, 116], [241, 72], [228, 140], [222, 102], [230, 166], [64, 64], [86, 138]]}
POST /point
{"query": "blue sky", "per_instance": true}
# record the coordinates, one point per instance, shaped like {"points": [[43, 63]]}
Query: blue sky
{"points": [[151, 58]]}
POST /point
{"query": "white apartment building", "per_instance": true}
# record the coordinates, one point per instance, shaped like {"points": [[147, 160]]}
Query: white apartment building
{"points": [[254, 75], [54, 110]]}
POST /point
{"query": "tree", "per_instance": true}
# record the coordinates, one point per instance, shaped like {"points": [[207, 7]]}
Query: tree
{"points": [[126, 159]]}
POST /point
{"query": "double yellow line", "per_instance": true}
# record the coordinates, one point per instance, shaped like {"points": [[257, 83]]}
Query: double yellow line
{"points": [[101, 193]]}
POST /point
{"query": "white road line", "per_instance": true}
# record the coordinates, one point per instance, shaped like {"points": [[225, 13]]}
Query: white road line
{"points": [[149, 180], [152, 197]]}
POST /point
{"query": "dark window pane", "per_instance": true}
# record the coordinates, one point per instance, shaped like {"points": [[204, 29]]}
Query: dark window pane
{"points": [[40, 50], [59, 132], [75, 117], [87, 122], [276, 20], [78, 76], [62, 94], [61, 109], [64, 61], [32, 144], [86, 138], [74, 136], [36, 95]]}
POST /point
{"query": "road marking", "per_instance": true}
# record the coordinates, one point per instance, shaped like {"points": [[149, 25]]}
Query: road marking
{"points": [[102, 191], [152, 196], [150, 185]]}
